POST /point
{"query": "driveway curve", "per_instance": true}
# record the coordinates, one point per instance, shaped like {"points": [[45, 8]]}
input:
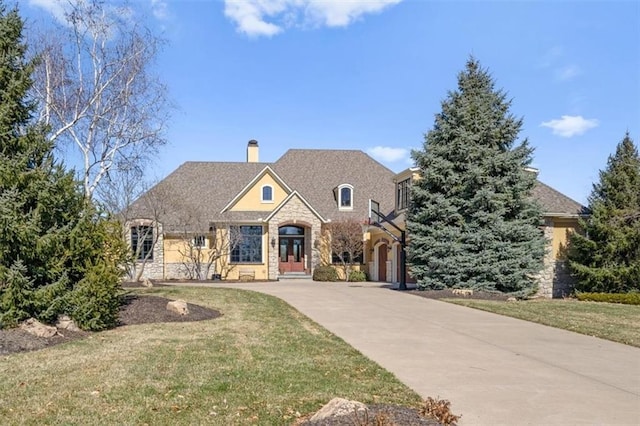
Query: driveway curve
{"points": [[494, 369]]}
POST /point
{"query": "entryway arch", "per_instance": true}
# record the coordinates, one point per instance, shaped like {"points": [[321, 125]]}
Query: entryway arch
{"points": [[380, 255], [291, 248]]}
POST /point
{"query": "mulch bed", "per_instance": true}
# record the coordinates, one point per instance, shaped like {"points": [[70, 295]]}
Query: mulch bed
{"points": [[136, 310]]}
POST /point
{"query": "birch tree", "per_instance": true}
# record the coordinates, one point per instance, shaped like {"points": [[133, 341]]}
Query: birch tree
{"points": [[97, 89]]}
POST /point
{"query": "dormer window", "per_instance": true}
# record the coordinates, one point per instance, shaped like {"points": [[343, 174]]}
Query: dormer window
{"points": [[345, 197], [267, 194]]}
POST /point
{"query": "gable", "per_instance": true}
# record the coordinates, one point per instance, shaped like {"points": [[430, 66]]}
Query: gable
{"points": [[251, 197]]}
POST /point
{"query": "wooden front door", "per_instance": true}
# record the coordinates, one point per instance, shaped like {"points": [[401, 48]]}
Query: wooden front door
{"points": [[382, 262], [291, 249], [291, 254]]}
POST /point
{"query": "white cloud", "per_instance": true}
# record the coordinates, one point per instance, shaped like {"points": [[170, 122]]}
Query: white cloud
{"points": [[570, 125], [568, 72], [388, 154], [270, 17], [160, 9], [54, 7]]}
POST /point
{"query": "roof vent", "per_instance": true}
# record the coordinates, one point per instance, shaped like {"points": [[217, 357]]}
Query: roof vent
{"points": [[252, 151]]}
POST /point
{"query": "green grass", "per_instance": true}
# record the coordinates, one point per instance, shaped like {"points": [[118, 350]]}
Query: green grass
{"points": [[616, 322], [262, 362]]}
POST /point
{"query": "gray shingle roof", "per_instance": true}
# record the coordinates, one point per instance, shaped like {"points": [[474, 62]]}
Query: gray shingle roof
{"points": [[555, 203], [196, 192], [314, 173]]}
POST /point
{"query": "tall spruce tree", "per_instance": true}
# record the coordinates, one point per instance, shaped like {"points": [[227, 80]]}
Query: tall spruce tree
{"points": [[472, 221], [606, 258], [53, 244]]}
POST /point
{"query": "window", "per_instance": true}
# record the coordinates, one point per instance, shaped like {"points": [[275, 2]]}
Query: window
{"points": [[267, 194], [199, 241], [402, 196], [248, 248], [345, 197], [142, 242]]}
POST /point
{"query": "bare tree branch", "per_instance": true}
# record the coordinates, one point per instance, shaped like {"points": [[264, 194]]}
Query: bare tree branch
{"points": [[345, 241], [97, 90]]}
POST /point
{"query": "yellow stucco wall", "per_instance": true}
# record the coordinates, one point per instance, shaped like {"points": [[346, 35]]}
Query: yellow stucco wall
{"points": [[175, 247], [252, 199], [561, 230]]}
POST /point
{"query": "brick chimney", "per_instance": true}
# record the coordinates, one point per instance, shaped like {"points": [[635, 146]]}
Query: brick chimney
{"points": [[252, 151]]}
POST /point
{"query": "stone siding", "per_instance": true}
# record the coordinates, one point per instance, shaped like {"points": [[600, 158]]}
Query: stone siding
{"points": [[295, 212], [153, 269], [555, 280]]}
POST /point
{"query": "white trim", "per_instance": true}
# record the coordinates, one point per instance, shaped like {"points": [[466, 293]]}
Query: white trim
{"points": [[305, 202], [246, 189], [262, 200], [340, 188]]}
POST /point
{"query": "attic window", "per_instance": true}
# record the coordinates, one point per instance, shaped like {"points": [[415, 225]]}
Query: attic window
{"points": [[267, 194], [345, 197]]}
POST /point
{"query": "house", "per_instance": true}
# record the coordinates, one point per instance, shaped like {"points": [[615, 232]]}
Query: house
{"points": [[265, 220]]}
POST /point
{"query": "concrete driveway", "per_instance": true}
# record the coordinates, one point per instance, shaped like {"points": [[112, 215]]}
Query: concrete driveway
{"points": [[493, 369]]}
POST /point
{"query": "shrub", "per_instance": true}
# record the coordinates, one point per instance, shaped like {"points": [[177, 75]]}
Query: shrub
{"points": [[95, 300], [625, 298], [325, 273], [357, 276]]}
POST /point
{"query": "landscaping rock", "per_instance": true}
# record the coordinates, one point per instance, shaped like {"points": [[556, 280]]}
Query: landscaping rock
{"points": [[512, 299], [147, 283], [463, 291], [66, 323], [178, 306], [35, 327], [339, 407]]}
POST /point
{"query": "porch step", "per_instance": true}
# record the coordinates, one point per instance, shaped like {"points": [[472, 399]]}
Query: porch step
{"points": [[294, 276]]}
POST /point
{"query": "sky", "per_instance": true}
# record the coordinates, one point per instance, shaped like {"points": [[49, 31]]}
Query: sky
{"points": [[371, 75]]}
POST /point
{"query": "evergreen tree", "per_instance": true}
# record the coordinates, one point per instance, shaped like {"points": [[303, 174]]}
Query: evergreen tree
{"points": [[607, 257], [472, 221], [51, 238]]}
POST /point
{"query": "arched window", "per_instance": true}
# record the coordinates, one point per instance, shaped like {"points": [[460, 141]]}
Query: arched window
{"points": [[267, 194], [345, 197]]}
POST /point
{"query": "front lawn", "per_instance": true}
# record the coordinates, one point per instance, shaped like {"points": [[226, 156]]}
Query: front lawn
{"points": [[616, 322], [260, 363]]}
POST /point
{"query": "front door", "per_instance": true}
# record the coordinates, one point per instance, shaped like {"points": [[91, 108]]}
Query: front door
{"points": [[291, 252], [382, 262]]}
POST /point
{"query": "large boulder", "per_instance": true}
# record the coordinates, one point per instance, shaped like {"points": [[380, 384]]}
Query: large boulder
{"points": [[178, 306], [339, 407], [147, 282], [66, 323], [35, 327]]}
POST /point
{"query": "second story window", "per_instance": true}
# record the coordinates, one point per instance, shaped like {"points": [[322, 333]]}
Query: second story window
{"points": [[345, 197], [267, 194], [402, 194]]}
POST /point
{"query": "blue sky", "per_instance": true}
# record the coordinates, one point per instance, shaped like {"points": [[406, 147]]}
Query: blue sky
{"points": [[370, 75]]}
